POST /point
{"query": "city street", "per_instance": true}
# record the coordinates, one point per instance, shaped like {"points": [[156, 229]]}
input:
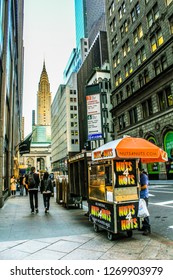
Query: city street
{"points": [[68, 234], [161, 209]]}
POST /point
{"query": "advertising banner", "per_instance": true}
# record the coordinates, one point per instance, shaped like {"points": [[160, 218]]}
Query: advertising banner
{"points": [[127, 216], [125, 172], [102, 214], [94, 117]]}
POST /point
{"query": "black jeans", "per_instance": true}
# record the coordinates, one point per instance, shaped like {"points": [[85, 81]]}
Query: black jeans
{"points": [[146, 221], [46, 200], [33, 197]]}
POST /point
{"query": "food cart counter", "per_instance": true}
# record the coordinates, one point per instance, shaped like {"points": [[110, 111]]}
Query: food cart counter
{"points": [[114, 196], [113, 189]]}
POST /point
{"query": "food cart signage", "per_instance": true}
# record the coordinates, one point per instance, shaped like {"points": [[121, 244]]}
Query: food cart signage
{"points": [[127, 216], [102, 214], [125, 171], [108, 153]]}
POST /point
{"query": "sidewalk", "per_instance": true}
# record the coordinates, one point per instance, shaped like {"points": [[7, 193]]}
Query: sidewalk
{"points": [[68, 235]]}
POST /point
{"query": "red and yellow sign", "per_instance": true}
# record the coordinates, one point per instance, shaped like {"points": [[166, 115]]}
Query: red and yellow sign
{"points": [[125, 171], [127, 217]]}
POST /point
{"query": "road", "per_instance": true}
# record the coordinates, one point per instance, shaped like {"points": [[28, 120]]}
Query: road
{"points": [[161, 210]]}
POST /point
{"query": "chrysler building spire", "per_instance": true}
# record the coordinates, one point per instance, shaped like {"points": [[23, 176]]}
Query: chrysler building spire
{"points": [[44, 99]]}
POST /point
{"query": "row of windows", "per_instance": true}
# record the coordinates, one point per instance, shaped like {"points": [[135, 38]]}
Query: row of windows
{"points": [[152, 16], [165, 100], [156, 41], [159, 66], [73, 108], [72, 91], [74, 141], [73, 99], [122, 9], [74, 132]]}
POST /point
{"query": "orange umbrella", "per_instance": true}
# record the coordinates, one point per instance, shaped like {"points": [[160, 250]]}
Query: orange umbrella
{"points": [[130, 147]]}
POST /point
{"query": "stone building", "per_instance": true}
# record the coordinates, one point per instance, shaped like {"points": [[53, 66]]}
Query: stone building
{"points": [[11, 91], [140, 40]]}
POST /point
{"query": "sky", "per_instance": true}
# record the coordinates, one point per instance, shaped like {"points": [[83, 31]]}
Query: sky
{"points": [[49, 34]]}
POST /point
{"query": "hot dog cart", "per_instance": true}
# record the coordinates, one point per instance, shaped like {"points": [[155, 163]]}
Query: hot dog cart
{"points": [[114, 184]]}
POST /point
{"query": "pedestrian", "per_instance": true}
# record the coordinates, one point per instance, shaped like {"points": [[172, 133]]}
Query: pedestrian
{"points": [[144, 193], [25, 184], [13, 185], [33, 183], [21, 184], [46, 189]]}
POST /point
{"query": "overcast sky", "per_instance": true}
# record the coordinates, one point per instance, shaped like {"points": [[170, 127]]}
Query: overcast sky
{"points": [[49, 34]]}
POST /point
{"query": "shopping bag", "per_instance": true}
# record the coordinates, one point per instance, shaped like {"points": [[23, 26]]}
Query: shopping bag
{"points": [[142, 209]]}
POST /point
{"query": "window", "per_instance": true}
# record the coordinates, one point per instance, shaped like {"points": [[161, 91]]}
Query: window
{"points": [[113, 25], [121, 122], [163, 62], [162, 101], [128, 68], [128, 91], [120, 13], [124, 28], [146, 76], [132, 86], [153, 15], [111, 9], [74, 141], [157, 68], [135, 12], [119, 97], [122, 10], [141, 80], [166, 97], [118, 79], [169, 96], [156, 40], [116, 60], [138, 33], [171, 24], [126, 48], [133, 117], [140, 56], [147, 108], [114, 42], [168, 2]]}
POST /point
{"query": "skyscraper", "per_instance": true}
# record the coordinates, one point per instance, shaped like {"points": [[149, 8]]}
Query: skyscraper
{"points": [[89, 20], [44, 99]]}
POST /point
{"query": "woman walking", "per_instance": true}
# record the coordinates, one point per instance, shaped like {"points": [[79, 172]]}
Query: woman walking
{"points": [[46, 189], [13, 185]]}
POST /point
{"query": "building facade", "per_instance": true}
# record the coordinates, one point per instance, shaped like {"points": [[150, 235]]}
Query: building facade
{"points": [[11, 91], [140, 40], [65, 127]]}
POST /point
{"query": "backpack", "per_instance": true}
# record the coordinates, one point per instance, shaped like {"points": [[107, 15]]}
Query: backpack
{"points": [[31, 181]]}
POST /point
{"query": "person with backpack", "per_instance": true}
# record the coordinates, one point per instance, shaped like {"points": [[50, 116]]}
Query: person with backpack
{"points": [[46, 189], [33, 181]]}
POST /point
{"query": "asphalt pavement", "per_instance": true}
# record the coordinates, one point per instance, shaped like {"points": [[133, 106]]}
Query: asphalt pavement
{"points": [[67, 234]]}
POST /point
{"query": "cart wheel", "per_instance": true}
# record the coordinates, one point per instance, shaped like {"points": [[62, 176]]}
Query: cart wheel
{"points": [[110, 235], [96, 228], [129, 233]]}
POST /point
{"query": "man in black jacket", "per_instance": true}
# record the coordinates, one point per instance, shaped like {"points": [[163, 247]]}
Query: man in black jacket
{"points": [[33, 183]]}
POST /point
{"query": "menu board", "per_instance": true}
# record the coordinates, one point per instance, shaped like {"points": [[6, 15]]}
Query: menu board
{"points": [[125, 173]]}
